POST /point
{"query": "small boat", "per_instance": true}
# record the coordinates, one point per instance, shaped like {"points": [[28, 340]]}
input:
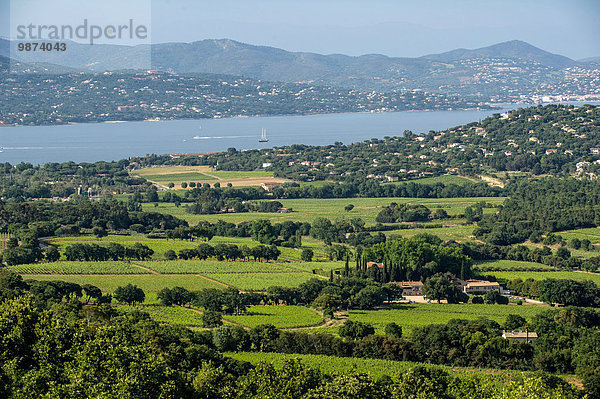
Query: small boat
{"points": [[263, 136]]}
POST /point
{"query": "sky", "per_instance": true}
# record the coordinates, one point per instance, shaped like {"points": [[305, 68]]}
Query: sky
{"points": [[392, 27]]}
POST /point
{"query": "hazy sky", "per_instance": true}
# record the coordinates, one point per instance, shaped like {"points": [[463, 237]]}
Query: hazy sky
{"points": [[391, 27]]}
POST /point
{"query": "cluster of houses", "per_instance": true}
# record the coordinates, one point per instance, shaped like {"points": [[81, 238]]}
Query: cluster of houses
{"points": [[414, 288]]}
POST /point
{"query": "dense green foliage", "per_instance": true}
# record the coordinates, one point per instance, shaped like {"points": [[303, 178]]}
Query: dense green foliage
{"points": [[416, 258], [543, 206]]}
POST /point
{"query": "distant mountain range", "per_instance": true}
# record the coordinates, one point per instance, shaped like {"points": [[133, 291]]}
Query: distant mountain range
{"points": [[515, 50], [488, 72]]}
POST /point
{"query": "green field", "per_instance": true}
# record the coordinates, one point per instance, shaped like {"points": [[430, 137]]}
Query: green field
{"points": [[511, 265], [280, 316], [147, 282], [307, 210], [568, 275], [374, 367], [78, 268], [212, 266], [209, 266], [205, 174], [592, 234], [418, 315], [244, 174], [261, 281], [175, 315], [159, 246], [188, 177], [457, 233]]}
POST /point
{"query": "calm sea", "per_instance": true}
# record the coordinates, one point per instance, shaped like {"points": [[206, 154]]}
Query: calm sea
{"points": [[114, 141]]}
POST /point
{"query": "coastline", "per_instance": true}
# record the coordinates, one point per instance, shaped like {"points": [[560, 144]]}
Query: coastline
{"points": [[157, 119], [492, 106]]}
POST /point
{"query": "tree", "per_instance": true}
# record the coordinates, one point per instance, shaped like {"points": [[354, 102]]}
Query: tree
{"points": [[174, 296], [514, 322], [355, 330], [563, 252], [92, 291], [369, 297], [130, 294], [328, 301], [151, 195], [184, 185], [575, 243], [307, 255], [52, 254], [211, 319], [263, 232], [492, 297], [393, 330], [170, 255], [439, 287], [586, 245], [99, 232], [348, 207]]}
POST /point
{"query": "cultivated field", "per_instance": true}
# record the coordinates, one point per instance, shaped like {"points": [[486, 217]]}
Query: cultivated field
{"points": [[210, 266], [162, 176], [279, 316], [417, 315], [307, 210], [374, 367], [592, 234], [175, 315], [78, 268], [457, 233], [261, 281], [159, 246], [581, 276], [512, 265], [147, 282]]}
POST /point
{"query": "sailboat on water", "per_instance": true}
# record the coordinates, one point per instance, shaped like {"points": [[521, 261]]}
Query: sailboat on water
{"points": [[263, 136]]}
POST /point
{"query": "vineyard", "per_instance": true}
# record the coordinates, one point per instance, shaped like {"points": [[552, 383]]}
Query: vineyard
{"points": [[159, 246], [418, 315], [208, 266], [176, 315], [307, 210], [374, 367], [261, 281], [569, 275], [148, 282], [109, 267], [280, 316], [591, 233], [512, 266]]}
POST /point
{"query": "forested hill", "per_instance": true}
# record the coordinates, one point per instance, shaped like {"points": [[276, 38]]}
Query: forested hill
{"points": [[556, 140], [504, 72]]}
